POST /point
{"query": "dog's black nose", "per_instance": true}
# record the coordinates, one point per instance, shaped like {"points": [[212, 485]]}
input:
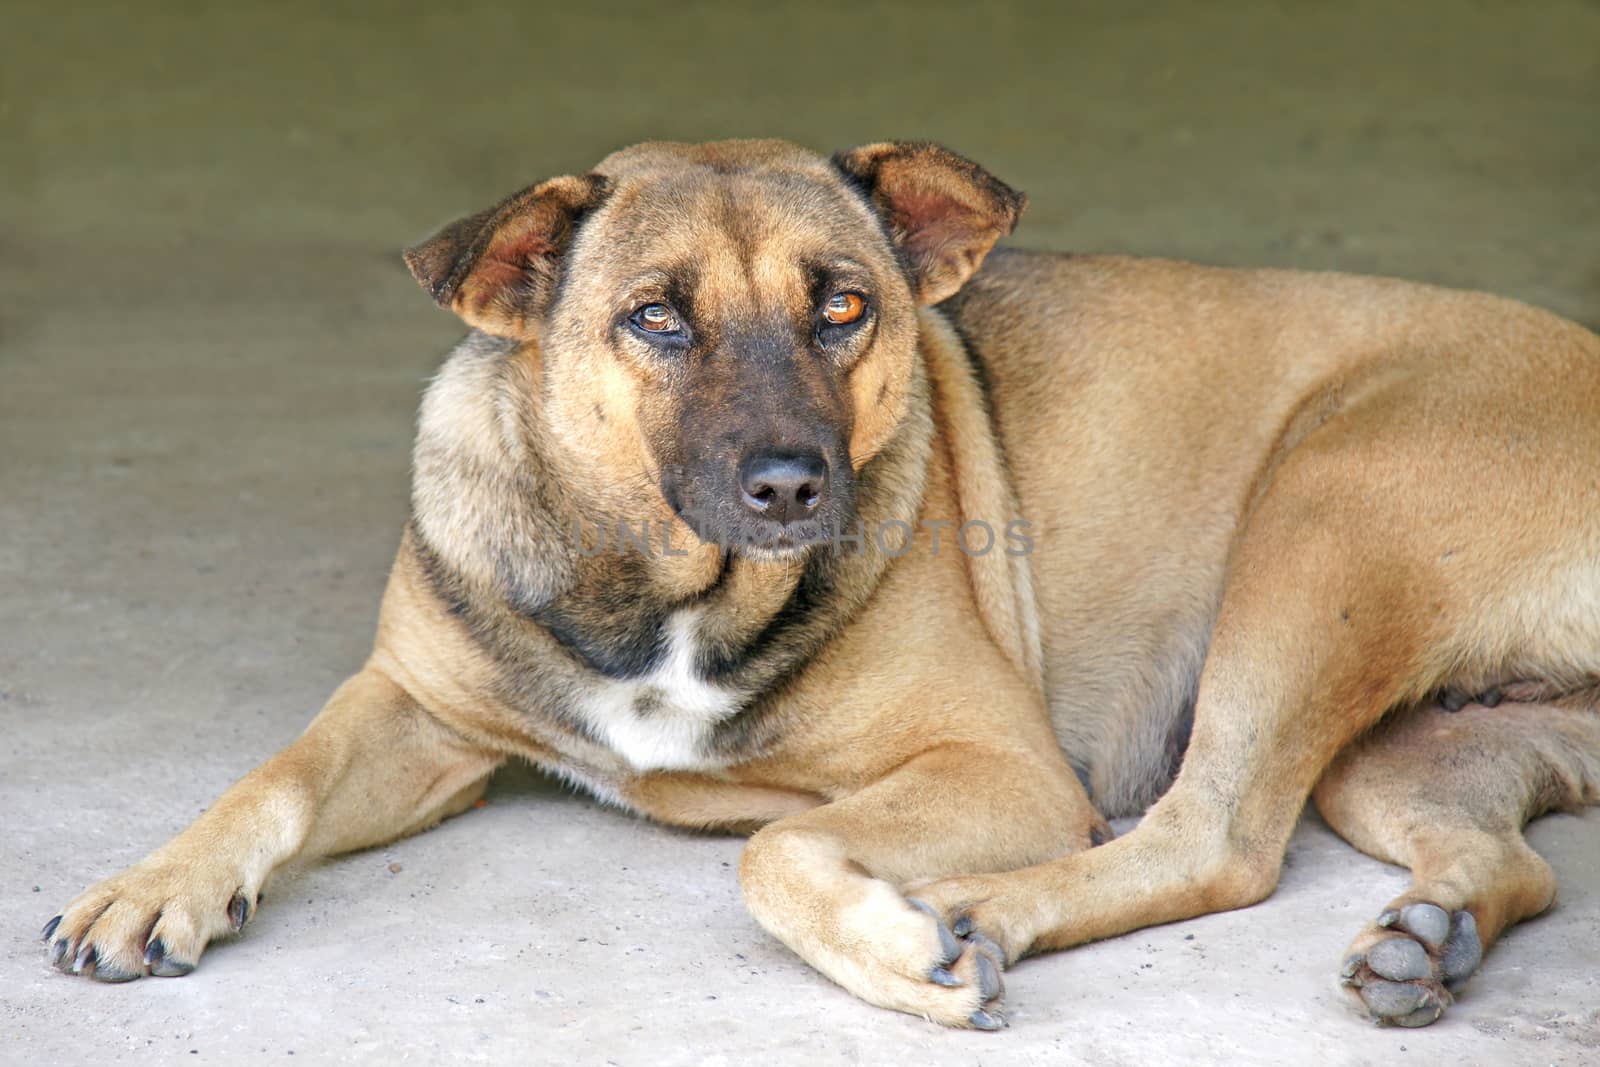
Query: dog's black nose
{"points": [[783, 486]]}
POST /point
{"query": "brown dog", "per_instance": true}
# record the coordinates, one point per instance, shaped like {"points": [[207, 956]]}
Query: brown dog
{"points": [[891, 573]]}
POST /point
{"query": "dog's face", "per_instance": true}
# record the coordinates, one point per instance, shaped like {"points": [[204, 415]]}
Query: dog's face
{"points": [[728, 330]]}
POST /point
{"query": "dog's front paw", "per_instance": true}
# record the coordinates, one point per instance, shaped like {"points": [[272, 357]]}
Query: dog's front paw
{"points": [[862, 933], [967, 964], [896, 952], [975, 908], [154, 918], [1406, 967]]}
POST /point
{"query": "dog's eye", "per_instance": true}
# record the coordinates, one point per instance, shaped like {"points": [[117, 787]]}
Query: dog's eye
{"points": [[656, 318], [843, 308]]}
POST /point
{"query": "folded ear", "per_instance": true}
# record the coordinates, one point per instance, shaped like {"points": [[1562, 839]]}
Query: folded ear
{"points": [[943, 211], [497, 268]]}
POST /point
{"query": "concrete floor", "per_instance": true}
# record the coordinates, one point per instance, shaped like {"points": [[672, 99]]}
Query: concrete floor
{"points": [[209, 363]]}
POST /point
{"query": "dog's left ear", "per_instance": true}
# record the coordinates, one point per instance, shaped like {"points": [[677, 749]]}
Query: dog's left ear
{"points": [[497, 268], [944, 212]]}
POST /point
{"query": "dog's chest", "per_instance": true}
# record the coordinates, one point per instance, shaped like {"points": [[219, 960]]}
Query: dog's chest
{"points": [[661, 720]]}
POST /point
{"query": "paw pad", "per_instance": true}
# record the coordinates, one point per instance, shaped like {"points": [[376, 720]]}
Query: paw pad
{"points": [[1408, 979]]}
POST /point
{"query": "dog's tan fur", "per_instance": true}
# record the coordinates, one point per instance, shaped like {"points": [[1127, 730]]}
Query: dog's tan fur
{"points": [[1301, 506]]}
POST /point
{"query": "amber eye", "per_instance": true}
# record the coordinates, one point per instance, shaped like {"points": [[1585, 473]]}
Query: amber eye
{"points": [[656, 318], [843, 308]]}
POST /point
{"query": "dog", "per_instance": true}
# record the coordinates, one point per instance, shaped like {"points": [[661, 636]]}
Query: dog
{"points": [[762, 497]]}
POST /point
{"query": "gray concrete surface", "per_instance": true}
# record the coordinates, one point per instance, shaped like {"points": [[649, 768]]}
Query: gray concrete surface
{"points": [[209, 363]]}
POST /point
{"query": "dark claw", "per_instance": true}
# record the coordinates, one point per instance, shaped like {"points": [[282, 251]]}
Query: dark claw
{"points": [[49, 928], [982, 1020], [155, 952], [942, 976], [948, 945], [105, 971], [238, 911], [963, 926], [87, 957], [167, 967], [1453, 700], [987, 944], [1347, 973], [58, 954], [1491, 698], [988, 977]]}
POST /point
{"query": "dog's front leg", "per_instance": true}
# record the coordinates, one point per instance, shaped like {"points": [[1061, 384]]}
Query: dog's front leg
{"points": [[372, 767], [827, 882]]}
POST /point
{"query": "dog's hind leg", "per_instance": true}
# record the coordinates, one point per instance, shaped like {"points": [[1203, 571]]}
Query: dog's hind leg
{"points": [[1447, 794], [372, 767], [1339, 605]]}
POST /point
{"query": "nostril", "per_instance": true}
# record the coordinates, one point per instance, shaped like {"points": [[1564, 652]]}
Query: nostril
{"points": [[763, 495], [809, 497]]}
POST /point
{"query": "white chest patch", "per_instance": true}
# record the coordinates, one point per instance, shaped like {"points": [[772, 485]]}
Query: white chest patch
{"points": [[660, 721]]}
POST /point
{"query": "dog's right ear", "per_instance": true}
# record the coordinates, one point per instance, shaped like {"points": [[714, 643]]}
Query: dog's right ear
{"points": [[497, 268]]}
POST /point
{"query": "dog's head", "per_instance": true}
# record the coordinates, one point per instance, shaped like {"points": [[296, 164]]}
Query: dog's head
{"points": [[730, 325]]}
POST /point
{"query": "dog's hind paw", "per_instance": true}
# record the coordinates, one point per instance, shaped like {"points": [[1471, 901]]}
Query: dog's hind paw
{"points": [[1407, 967]]}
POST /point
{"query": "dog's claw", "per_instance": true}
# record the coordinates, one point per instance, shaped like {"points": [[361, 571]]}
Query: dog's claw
{"points": [[238, 911], [943, 976], [962, 927], [58, 954], [161, 965], [49, 928], [988, 945], [949, 946], [1453, 700], [988, 977], [982, 1020], [1491, 698], [171, 968]]}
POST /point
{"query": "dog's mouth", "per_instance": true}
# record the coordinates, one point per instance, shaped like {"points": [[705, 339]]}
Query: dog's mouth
{"points": [[757, 538], [776, 540], [733, 529]]}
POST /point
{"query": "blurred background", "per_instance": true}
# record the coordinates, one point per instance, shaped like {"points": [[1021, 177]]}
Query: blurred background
{"points": [[205, 325], [210, 357], [151, 144]]}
